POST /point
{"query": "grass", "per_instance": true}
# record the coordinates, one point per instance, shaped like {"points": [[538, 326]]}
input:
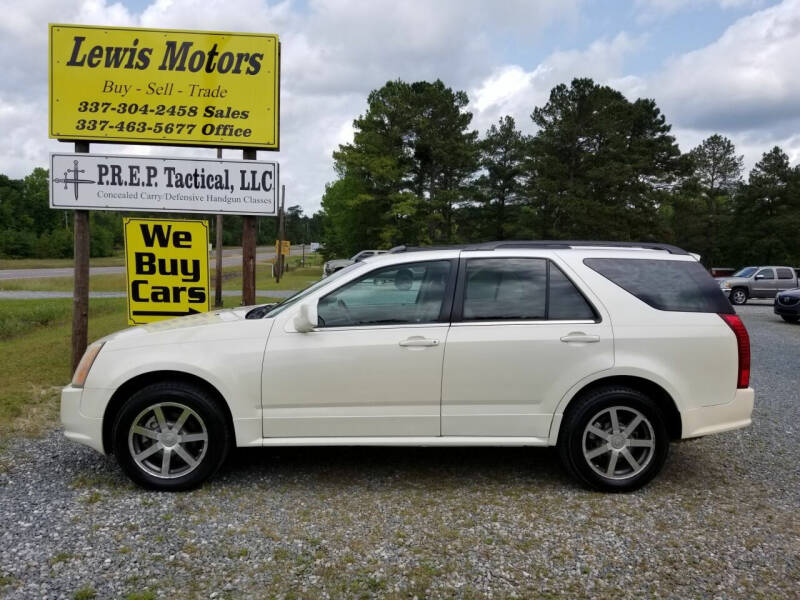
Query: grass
{"points": [[35, 343], [55, 263], [84, 593]]}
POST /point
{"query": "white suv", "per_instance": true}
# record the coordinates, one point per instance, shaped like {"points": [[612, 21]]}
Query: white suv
{"points": [[606, 350]]}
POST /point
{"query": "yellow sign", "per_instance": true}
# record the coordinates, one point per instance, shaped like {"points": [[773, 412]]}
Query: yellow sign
{"points": [[286, 247], [164, 86], [167, 265]]}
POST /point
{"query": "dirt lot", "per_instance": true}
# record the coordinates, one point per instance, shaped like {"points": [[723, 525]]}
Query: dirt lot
{"points": [[723, 519]]}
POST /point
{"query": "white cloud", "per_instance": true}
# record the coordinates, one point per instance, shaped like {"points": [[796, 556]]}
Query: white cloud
{"points": [[747, 78], [511, 90]]}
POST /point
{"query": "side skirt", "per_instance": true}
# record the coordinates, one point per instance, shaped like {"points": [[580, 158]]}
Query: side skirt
{"points": [[402, 441]]}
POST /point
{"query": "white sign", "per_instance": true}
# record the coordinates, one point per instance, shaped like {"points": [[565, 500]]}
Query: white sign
{"points": [[159, 184]]}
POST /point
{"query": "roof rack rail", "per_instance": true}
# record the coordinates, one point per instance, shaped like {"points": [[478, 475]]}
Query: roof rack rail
{"points": [[545, 244]]}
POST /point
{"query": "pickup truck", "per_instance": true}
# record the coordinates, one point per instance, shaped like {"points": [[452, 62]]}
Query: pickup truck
{"points": [[757, 282], [330, 267]]}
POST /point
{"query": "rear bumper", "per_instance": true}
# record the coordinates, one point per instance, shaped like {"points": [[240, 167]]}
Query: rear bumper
{"points": [[77, 426], [720, 417]]}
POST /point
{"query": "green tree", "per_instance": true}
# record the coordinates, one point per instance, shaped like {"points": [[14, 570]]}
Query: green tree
{"points": [[599, 164], [406, 171], [767, 212], [499, 189], [703, 207]]}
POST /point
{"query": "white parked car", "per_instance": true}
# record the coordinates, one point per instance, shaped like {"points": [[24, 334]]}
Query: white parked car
{"points": [[569, 344]]}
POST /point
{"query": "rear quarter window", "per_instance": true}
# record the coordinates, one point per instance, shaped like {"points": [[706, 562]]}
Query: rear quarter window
{"points": [[674, 285]]}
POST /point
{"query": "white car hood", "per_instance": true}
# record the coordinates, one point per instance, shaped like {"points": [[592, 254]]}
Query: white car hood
{"points": [[200, 326]]}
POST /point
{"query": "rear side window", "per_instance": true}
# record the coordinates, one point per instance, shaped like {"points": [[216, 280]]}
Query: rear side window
{"points": [[517, 289], [785, 274], [674, 285]]}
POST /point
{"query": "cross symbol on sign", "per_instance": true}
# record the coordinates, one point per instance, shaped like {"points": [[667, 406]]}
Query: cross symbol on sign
{"points": [[73, 179]]}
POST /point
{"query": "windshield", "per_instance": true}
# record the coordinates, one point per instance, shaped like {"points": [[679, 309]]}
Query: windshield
{"points": [[283, 305], [746, 272]]}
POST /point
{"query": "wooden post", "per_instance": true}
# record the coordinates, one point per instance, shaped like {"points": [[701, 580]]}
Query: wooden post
{"points": [[218, 274], [249, 249], [281, 235], [80, 292]]}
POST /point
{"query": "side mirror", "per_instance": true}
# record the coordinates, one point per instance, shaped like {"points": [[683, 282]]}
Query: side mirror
{"points": [[306, 318], [760, 276]]}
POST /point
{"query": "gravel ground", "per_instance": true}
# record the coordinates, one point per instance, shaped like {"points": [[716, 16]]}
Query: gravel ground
{"points": [[720, 522]]}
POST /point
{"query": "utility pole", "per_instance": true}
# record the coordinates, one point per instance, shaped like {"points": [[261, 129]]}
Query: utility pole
{"points": [[218, 276], [80, 292], [249, 249]]}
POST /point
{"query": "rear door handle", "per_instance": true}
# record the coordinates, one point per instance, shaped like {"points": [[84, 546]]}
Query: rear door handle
{"points": [[579, 336], [417, 341]]}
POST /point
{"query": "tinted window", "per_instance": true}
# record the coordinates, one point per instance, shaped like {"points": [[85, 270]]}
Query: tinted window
{"points": [[506, 289], [566, 302], [664, 284], [765, 274], [402, 294], [502, 289], [785, 274]]}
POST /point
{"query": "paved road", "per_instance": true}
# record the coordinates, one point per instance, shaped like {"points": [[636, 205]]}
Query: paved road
{"points": [[230, 257], [29, 295]]}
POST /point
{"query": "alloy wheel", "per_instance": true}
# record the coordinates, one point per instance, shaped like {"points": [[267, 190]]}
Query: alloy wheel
{"points": [[618, 442], [168, 440]]}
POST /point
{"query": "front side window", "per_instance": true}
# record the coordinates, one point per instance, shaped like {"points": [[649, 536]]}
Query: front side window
{"points": [[520, 289], [399, 294], [746, 272], [765, 274]]}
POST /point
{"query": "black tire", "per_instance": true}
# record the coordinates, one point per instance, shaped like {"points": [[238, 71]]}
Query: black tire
{"points": [[790, 318], [202, 418], [576, 443], [738, 296]]}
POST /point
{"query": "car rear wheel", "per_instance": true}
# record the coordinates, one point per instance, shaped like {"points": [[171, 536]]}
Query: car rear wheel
{"points": [[170, 436], [790, 318], [738, 296], [614, 439]]}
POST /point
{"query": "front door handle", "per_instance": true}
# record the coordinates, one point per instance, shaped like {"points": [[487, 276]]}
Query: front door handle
{"points": [[579, 336], [418, 341]]}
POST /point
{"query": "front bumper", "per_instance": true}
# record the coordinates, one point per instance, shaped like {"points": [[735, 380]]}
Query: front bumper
{"points": [[791, 311], [719, 417], [77, 426]]}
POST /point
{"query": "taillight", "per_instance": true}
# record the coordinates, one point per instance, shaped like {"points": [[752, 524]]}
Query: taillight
{"points": [[743, 345]]}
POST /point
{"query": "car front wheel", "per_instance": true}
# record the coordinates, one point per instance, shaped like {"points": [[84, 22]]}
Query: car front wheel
{"points": [[738, 296], [614, 439], [170, 436]]}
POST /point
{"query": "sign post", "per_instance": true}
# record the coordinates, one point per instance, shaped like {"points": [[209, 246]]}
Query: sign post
{"points": [[80, 291], [218, 270], [249, 250]]}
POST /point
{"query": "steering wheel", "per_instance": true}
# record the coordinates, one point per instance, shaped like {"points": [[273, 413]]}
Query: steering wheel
{"points": [[341, 304]]}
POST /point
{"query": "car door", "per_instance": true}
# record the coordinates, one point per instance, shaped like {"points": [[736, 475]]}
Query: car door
{"points": [[786, 279], [522, 335], [764, 283], [373, 366]]}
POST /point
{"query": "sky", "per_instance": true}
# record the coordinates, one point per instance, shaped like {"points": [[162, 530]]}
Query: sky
{"points": [[712, 66]]}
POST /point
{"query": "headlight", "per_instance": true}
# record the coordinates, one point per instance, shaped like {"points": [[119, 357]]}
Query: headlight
{"points": [[86, 364], [725, 284]]}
